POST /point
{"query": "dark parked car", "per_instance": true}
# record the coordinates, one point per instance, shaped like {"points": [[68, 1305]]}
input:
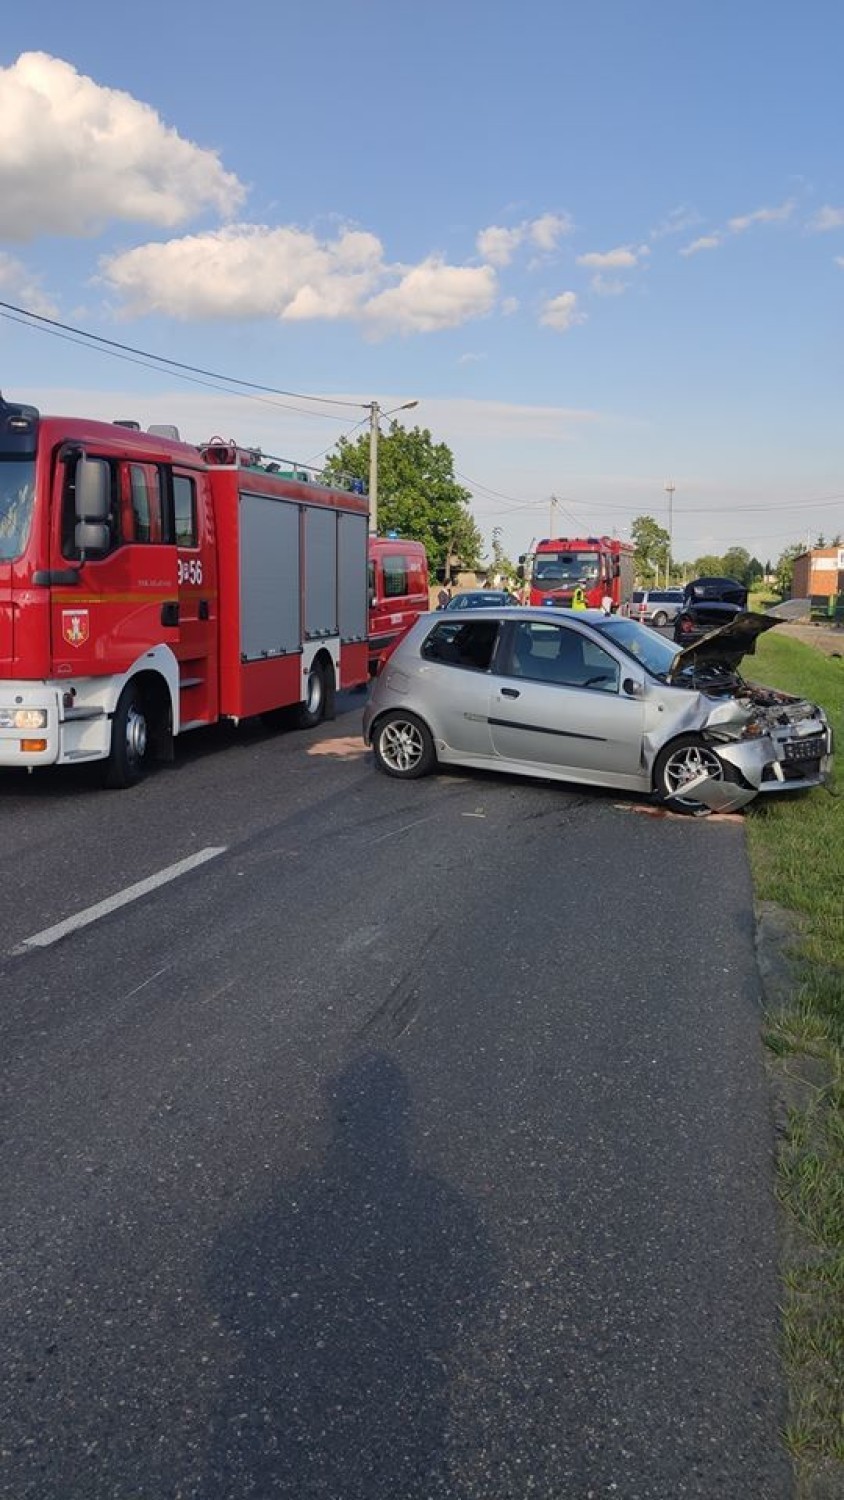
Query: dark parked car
{"points": [[482, 599], [708, 603]]}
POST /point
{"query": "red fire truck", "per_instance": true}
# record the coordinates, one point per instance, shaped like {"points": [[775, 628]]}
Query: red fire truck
{"points": [[148, 587], [600, 564], [398, 592]]}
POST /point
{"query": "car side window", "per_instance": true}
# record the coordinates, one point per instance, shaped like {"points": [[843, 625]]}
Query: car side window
{"points": [[556, 654], [470, 644]]}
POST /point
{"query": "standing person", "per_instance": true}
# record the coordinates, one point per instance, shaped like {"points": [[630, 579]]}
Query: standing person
{"points": [[578, 598], [606, 602], [443, 597]]}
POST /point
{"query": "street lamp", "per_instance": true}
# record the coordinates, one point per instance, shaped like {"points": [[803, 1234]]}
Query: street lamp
{"points": [[669, 490], [375, 415]]}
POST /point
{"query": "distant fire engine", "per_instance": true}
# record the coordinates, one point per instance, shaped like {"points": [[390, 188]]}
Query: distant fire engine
{"points": [[148, 587], [601, 565]]}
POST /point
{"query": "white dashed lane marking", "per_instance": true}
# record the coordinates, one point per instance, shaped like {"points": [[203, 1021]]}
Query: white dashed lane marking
{"points": [[131, 893]]}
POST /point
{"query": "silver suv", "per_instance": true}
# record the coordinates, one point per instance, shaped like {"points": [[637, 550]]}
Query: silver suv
{"points": [[655, 606]]}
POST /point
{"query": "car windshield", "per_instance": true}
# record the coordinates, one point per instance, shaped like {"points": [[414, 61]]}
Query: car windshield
{"points": [[564, 567], [17, 496], [646, 646]]}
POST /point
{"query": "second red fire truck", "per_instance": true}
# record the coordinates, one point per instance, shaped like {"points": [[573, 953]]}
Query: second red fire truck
{"points": [[148, 586], [601, 565]]}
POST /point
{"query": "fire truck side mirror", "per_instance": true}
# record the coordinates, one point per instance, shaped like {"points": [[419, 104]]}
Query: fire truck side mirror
{"points": [[92, 504]]}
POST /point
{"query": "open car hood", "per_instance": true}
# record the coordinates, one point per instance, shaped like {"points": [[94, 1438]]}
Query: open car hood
{"points": [[725, 646]]}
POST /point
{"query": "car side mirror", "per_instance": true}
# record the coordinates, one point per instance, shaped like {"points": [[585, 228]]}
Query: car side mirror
{"points": [[632, 688]]}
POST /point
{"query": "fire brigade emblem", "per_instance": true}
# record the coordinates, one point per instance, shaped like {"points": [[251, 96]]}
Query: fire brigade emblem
{"points": [[76, 626]]}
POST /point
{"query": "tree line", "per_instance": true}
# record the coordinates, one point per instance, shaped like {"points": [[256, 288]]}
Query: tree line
{"points": [[420, 498], [651, 542]]}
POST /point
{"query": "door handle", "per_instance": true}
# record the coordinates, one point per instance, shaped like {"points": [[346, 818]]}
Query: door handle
{"points": [[509, 692]]}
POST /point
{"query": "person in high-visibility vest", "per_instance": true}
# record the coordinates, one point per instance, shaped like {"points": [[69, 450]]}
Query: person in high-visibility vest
{"points": [[578, 598]]}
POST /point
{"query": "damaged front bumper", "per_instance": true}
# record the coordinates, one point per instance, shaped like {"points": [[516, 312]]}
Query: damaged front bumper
{"points": [[790, 758]]}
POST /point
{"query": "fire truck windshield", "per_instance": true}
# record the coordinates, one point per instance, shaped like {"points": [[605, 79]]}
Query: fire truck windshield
{"points": [[565, 568], [17, 498]]}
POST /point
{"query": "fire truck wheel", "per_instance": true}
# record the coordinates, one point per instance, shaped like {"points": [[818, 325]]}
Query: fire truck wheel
{"points": [[130, 743], [403, 746], [312, 710]]}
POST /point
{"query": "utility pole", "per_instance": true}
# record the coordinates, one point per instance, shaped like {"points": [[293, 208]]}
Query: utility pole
{"points": [[375, 415], [669, 490], [554, 503], [374, 433]]}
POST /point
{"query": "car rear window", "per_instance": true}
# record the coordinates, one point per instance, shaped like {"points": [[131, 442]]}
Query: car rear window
{"points": [[637, 596], [469, 643]]}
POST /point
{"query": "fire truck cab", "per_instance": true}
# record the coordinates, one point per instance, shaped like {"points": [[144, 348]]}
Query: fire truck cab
{"points": [[602, 566], [398, 592], [148, 586]]}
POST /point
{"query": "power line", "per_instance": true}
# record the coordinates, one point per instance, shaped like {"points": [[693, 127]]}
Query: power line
{"points": [[51, 324]]}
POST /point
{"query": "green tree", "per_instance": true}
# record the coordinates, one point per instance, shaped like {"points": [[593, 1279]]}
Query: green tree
{"points": [[651, 543], [709, 566], [735, 563], [418, 495], [784, 572], [755, 571], [501, 564]]}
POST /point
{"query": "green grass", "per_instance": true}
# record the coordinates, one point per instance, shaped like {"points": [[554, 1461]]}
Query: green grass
{"points": [[797, 857]]}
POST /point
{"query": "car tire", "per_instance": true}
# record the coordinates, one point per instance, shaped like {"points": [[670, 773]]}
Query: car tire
{"points": [[129, 754], [403, 746], [680, 761], [660, 618]]}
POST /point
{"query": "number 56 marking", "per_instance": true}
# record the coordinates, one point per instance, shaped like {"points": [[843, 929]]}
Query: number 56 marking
{"points": [[190, 570]]}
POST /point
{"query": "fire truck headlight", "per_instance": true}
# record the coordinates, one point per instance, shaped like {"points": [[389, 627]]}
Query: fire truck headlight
{"points": [[23, 718]]}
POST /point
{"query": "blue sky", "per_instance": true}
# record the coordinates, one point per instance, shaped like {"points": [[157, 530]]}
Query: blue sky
{"points": [[602, 243]]}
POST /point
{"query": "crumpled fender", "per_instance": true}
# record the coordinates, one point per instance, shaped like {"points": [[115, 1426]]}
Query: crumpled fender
{"points": [[750, 757], [718, 796]]}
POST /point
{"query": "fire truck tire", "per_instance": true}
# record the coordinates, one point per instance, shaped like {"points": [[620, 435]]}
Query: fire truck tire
{"points": [[311, 711], [130, 740], [403, 746]]}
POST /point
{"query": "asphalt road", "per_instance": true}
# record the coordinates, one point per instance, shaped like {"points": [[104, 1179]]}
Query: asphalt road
{"points": [[415, 1145]]}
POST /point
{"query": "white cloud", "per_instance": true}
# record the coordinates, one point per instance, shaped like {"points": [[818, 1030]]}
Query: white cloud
{"points": [[605, 286], [74, 155], [620, 259], [839, 261], [562, 313], [761, 216], [676, 221], [249, 271], [18, 285], [509, 306], [827, 218], [498, 245], [546, 231], [252, 271], [432, 296], [706, 242]]}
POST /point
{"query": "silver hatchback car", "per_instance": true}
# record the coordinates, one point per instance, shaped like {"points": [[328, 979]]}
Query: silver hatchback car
{"points": [[596, 699]]}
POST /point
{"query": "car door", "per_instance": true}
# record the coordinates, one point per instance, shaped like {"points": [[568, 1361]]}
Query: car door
{"points": [[559, 698], [453, 682]]}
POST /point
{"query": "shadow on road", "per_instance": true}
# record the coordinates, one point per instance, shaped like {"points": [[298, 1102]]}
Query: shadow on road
{"points": [[344, 1298]]}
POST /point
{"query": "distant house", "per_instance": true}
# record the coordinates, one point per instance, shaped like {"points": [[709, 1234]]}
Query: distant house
{"points": [[819, 573]]}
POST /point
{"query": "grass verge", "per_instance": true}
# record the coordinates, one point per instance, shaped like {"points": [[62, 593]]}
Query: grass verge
{"points": [[797, 858]]}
